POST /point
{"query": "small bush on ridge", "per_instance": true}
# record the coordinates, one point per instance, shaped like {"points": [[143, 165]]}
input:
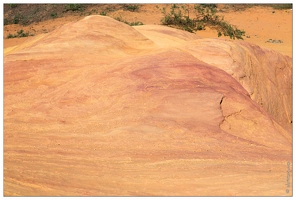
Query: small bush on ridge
{"points": [[205, 15]]}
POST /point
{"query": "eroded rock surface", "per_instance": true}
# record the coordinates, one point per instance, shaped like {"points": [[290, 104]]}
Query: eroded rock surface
{"points": [[104, 109]]}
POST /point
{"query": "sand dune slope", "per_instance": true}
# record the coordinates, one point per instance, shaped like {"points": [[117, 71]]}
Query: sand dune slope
{"points": [[99, 108]]}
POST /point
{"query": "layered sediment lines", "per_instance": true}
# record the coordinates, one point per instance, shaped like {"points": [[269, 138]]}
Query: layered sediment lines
{"points": [[104, 109]]}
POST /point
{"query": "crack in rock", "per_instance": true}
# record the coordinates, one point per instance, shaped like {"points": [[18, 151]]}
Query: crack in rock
{"points": [[225, 117]]}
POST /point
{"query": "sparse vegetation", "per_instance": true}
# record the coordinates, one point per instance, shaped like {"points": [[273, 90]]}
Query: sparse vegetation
{"points": [[74, 7], [281, 6], [6, 21], [137, 23], [54, 15], [94, 11], [25, 20], [179, 15], [205, 16], [10, 36], [19, 34], [119, 19], [20, 19], [13, 5], [25, 14], [240, 7], [16, 19], [111, 8], [131, 7], [103, 13]]}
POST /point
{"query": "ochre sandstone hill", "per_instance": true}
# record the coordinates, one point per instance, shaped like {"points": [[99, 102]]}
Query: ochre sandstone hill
{"points": [[99, 108]]}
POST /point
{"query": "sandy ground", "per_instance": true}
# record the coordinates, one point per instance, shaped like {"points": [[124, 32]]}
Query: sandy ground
{"points": [[260, 24]]}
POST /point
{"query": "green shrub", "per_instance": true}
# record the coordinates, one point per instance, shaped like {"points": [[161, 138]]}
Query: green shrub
{"points": [[10, 36], [12, 5], [103, 13], [54, 15], [176, 18], [135, 23], [22, 34], [205, 15], [228, 30], [20, 19], [110, 8], [129, 23], [74, 7], [119, 19], [175, 6], [24, 20], [19, 34], [6, 21], [16, 19], [130, 7]]}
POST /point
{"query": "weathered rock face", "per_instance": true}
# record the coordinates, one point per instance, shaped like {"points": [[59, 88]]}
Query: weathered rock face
{"points": [[101, 108], [266, 75]]}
